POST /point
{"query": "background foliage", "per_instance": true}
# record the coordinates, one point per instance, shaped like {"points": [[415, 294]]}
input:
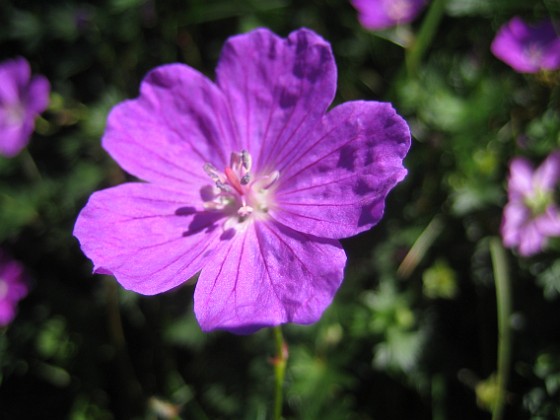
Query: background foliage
{"points": [[410, 334]]}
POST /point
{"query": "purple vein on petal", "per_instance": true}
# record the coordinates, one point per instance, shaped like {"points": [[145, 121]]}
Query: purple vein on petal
{"points": [[285, 180], [283, 129], [312, 146], [204, 159], [259, 243], [310, 187], [237, 273], [197, 174], [160, 268], [334, 222]]}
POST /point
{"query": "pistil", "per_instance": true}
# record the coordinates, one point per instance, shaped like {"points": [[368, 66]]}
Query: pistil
{"points": [[237, 191]]}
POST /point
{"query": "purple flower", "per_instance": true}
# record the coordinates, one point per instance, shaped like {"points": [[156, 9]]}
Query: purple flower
{"points": [[531, 215], [528, 49], [22, 98], [250, 181], [383, 14], [13, 288]]}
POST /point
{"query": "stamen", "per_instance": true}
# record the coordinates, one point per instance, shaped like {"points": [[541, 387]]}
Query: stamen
{"points": [[237, 192], [223, 186], [246, 160], [271, 180], [212, 172], [245, 179]]}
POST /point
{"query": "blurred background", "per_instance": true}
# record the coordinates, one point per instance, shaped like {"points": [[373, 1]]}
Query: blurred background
{"points": [[413, 332]]}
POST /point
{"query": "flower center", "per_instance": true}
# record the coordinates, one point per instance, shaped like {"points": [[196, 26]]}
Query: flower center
{"points": [[533, 52], [3, 288], [539, 201], [398, 9], [15, 114], [237, 191]]}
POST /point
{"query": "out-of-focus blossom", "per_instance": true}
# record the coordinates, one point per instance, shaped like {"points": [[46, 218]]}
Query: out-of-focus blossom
{"points": [[383, 14], [13, 288], [526, 48], [22, 98], [531, 216], [250, 182]]}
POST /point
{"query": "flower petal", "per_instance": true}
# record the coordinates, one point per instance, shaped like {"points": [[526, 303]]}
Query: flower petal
{"points": [[14, 77], [37, 97], [335, 185], [15, 137], [149, 237], [528, 48], [520, 184], [382, 14], [547, 174], [515, 216], [531, 241], [179, 122], [548, 223], [276, 86], [269, 275]]}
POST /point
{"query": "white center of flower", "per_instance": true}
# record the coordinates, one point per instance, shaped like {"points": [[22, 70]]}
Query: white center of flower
{"points": [[15, 114], [238, 192], [539, 201], [398, 9], [533, 52]]}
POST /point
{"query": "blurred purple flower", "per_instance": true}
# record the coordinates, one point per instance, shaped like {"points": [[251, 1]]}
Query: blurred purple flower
{"points": [[383, 14], [528, 49], [250, 181], [531, 216], [22, 98], [13, 288]]}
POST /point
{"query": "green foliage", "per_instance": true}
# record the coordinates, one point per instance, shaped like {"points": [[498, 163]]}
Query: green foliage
{"points": [[417, 308]]}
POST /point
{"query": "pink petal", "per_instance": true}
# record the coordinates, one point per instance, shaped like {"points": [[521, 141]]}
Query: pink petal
{"points": [[515, 216], [548, 174], [269, 275], [151, 238], [548, 223], [15, 138], [383, 14], [336, 183], [520, 182], [531, 241], [277, 87], [14, 77], [37, 96]]}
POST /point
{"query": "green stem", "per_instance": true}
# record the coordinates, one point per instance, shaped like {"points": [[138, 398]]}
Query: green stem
{"points": [[30, 167], [503, 298], [425, 35], [420, 247], [279, 361]]}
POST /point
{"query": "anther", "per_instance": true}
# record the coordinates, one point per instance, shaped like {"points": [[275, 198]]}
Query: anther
{"points": [[246, 160], [223, 186], [245, 179], [212, 172]]}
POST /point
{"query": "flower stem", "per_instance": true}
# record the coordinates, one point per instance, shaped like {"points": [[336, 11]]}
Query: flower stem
{"points": [[280, 360], [425, 35], [30, 167], [503, 298]]}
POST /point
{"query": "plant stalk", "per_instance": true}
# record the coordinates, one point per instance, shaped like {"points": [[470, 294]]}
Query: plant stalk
{"points": [[280, 360], [504, 305]]}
